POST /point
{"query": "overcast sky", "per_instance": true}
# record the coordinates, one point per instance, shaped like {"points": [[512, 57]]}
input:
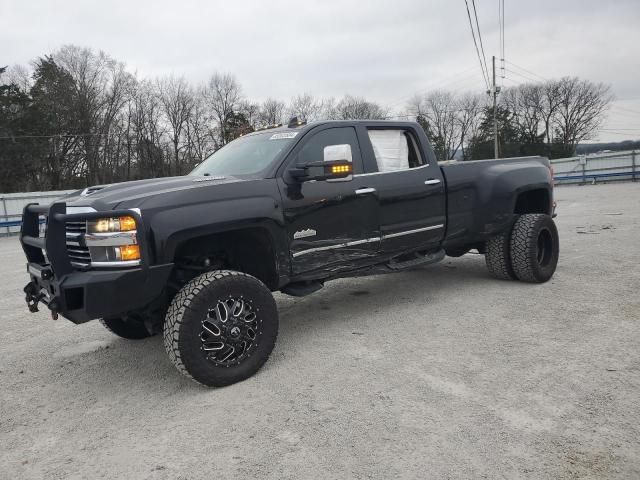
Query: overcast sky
{"points": [[383, 50]]}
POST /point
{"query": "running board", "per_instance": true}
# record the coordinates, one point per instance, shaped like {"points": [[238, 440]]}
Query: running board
{"points": [[417, 260]]}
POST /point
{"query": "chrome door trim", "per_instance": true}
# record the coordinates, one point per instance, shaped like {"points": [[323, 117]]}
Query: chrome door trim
{"points": [[338, 245], [411, 232], [368, 240]]}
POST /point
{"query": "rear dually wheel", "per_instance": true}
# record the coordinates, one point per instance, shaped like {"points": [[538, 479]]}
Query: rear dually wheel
{"points": [[535, 248]]}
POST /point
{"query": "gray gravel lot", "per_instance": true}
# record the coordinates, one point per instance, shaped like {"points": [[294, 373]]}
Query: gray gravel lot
{"points": [[441, 372]]}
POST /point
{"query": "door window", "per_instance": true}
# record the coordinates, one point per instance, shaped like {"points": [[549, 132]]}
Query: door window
{"points": [[395, 149], [314, 148]]}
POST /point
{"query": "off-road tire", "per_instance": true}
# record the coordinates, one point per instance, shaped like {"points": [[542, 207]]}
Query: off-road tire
{"points": [[498, 256], [535, 248], [191, 307], [129, 329]]}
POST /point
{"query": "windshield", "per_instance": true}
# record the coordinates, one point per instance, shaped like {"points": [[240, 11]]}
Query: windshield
{"points": [[246, 155]]}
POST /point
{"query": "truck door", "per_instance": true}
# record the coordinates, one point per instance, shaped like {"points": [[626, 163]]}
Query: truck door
{"points": [[331, 225], [410, 190]]}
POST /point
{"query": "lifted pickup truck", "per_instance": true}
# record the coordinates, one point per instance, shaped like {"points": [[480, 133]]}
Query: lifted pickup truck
{"points": [[280, 209]]}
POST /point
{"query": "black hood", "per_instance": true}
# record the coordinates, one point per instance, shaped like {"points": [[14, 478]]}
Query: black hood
{"points": [[135, 193]]}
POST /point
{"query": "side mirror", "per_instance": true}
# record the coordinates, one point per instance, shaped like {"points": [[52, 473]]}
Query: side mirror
{"points": [[337, 165]]}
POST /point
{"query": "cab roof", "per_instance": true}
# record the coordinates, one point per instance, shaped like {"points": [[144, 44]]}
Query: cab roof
{"points": [[304, 126]]}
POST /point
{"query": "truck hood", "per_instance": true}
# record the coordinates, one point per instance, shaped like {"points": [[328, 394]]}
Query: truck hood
{"points": [[136, 193]]}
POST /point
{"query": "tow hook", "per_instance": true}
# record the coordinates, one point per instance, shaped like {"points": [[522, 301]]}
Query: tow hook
{"points": [[33, 298]]}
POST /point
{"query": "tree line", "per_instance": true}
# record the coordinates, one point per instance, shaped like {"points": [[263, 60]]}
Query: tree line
{"points": [[549, 118], [78, 117]]}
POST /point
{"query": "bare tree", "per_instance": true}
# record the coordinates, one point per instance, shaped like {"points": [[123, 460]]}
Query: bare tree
{"points": [[549, 106], [354, 108], [119, 88], [306, 107], [526, 103], [102, 86], [176, 97], [19, 75], [199, 141], [581, 109], [251, 112], [223, 95], [450, 121], [468, 118], [272, 111], [148, 131], [438, 112]]}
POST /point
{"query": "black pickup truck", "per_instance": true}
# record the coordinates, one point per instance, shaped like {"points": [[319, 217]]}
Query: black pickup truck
{"points": [[284, 208]]}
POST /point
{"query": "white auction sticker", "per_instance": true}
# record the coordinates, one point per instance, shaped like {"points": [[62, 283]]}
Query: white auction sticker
{"points": [[280, 136]]}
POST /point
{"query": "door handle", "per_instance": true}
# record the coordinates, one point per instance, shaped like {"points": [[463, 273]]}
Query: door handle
{"points": [[432, 181], [364, 191]]}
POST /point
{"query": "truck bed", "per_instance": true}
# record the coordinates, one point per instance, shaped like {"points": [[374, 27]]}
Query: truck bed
{"points": [[481, 194]]}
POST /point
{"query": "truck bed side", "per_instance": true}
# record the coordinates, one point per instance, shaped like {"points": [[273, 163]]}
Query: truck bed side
{"points": [[484, 196]]}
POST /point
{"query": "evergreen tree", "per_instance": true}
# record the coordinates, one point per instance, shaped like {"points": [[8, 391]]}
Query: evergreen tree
{"points": [[482, 145]]}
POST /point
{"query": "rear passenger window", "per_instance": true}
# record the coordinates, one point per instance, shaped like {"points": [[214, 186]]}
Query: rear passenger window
{"points": [[395, 149]]}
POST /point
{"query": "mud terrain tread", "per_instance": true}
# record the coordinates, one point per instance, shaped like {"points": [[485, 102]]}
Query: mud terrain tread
{"points": [[498, 257], [181, 303]]}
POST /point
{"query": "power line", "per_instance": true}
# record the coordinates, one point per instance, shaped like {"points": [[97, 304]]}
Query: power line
{"points": [[523, 76], [501, 39], [517, 82], [484, 56], [526, 71], [462, 87], [485, 74], [434, 85]]}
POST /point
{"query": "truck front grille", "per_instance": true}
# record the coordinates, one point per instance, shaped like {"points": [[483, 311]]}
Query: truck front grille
{"points": [[78, 253]]}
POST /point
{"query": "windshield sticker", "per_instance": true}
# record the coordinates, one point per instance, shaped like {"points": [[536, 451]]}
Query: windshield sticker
{"points": [[280, 136]]}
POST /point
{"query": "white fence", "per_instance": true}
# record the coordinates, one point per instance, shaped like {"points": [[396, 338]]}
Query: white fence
{"points": [[601, 167], [13, 203]]}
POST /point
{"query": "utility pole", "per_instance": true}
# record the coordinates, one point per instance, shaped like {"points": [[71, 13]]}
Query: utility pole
{"points": [[495, 91]]}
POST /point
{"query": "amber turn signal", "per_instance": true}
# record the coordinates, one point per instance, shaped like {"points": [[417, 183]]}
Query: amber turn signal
{"points": [[127, 224], [129, 252], [338, 169]]}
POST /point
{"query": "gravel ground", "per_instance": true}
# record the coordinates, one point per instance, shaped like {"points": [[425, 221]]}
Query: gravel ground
{"points": [[441, 372]]}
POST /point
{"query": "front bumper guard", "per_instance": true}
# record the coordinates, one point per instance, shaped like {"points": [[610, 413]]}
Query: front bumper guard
{"points": [[83, 295]]}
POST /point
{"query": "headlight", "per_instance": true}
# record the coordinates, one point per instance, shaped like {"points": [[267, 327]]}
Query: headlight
{"points": [[107, 225], [112, 241]]}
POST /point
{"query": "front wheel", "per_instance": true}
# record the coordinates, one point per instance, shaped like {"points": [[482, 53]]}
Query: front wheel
{"points": [[221, 327], [535, 248]]}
